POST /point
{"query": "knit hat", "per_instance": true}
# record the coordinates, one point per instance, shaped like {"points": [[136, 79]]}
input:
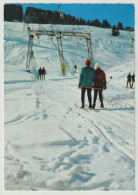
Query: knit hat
{"points": [[87, 62], [97, 65]]}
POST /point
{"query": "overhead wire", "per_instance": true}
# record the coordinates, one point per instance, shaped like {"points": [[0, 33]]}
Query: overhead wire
{"points": [[51, 21]]}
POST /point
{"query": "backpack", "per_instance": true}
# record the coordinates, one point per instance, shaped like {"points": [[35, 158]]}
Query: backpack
{"points": [[99, 75]]}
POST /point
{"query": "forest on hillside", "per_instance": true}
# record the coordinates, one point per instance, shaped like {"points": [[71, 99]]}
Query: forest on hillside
{"points": [[14, 12]]}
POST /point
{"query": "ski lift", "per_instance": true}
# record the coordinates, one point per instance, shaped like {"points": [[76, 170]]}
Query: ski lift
{"points": [[109, 80], [32, 54], [71, 38], [73, 28], [39, 27], [61, 15], [48, 40], [131, 40], [28, 30], [31, 36], [77, 42], [51, 27], [38, 39], [58, 8]]}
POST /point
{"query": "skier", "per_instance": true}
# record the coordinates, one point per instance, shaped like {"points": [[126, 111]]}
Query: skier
{"points": [[63, 68], [39, 73], [75, 66], [74, 69], [129, 80], [43, 73], [133, 79], [32, 53], [86, 80], [99, 84]]}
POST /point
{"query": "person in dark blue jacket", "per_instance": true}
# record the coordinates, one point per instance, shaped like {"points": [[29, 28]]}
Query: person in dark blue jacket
{"points": [[87, 78], [129, 80], [32, 53], [40, 73], [133, 79]]}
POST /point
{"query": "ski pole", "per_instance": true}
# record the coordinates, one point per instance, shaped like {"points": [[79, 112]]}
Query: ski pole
{"points": [[109, 79], [91, 87]]}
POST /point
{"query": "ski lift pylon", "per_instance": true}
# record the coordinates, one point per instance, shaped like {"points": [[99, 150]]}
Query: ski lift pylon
{"points": [[58, 8]]}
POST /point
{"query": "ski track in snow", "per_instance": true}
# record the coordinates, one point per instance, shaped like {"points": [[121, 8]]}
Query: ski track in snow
{"points": [[50, 144]]}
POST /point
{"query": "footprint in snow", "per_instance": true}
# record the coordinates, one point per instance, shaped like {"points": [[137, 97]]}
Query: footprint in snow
{"points": [[95, 140], [105, 149], [29, 94], [79, 126], [37, 103], [90, 131], [45, 116]]}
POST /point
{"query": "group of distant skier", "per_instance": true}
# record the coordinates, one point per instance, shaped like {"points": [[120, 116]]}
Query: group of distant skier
{"points": [[91, 78], [74, 68], [41, 73], [130, 80]]}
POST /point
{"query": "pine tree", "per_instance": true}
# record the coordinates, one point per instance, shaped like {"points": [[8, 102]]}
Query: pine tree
{"points": [[105, 24], [88, 23], [115, 31], [120, 26], [96, 23], [13, 12]]}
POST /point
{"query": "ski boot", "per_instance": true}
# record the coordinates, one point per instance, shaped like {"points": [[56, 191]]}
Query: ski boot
{"points": [[93, 106], [90, 106], [82, 106], [102, 105]]}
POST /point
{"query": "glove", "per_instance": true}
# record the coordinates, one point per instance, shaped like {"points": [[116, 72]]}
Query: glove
{"points": [[105, 87], [79, 86]]}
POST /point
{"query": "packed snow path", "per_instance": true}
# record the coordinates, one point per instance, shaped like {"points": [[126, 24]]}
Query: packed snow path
{"points": [[50, 144]]}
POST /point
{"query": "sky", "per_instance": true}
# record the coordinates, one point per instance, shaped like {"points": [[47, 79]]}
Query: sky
{"points": [[113, 13]]}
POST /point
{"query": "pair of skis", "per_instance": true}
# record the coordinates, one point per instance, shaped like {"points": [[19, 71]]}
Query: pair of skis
{"points": [[92, 88], [87, 109]]}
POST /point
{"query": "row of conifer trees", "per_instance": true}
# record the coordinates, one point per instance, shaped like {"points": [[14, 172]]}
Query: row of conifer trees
{"points": [[14, 12]]}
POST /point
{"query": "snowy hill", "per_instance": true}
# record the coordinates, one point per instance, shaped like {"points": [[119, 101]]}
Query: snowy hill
{"points": [[50, 144]]}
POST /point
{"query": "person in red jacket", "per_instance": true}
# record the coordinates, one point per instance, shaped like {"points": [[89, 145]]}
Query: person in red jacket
{"points": [[99, 84]]}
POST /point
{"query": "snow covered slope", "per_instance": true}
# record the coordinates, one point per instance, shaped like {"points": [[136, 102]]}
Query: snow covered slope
{"points": [[50, 144]]}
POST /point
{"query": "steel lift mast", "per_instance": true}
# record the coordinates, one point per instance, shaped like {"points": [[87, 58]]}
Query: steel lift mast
{"points": [[58, 35]]}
